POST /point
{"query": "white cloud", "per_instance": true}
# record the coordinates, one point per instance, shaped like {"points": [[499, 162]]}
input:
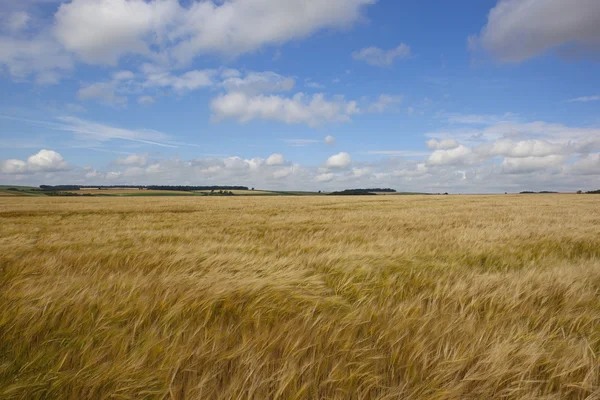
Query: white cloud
{"points": [[477, 119], [517, 30], [324, 177], [231, 27], [145, 100], [524, 148], [584, 99], [281, 173], [254, 83], [455, 156], [102, 31], [514, 174], [139, 160], [46, 160], [300, 108], [525, 165], [230, 73], [384, 103], [191, 80], [339, 161], [329, 140], [586, 165], [361, 172], [275, 159], [13, 166], [43, 161], [444, 144], [100, 132], [38, 56], [382, 58], [123, 75], [103, 91]]}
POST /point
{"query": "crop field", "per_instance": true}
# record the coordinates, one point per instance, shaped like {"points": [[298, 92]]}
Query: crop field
{"points": [[242, 192], [129, 192], [376, 297]]}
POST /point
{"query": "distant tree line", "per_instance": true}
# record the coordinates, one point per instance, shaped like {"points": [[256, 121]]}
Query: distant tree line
{"points": [[353, 192], [193, 188], [594, 192], [151, 187], [60, 187], [382, 190], [542, 192]]}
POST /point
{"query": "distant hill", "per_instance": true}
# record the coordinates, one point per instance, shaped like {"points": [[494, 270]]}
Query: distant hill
{"points": [[542, 192]]}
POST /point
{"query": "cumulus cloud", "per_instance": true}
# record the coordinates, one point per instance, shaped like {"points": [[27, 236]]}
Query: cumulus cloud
{"points": [[275, 159], [123, 75], [517, 30], [524, 165], [444, 144], [380, 57], [361, 172], [586, 165], [298, 109], [257, 82], [13, 166], [339, 161], [39, 56], [524, 148], [458, 155], [43, 161], [133, 159], [324, 177], [230, 27], [512, 174], [102, 31], [191, 80], [329, 140]]}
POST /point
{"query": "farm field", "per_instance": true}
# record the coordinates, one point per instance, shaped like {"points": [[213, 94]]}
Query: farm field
{"points": [[381, 297], [242, 192], [129, 192]]}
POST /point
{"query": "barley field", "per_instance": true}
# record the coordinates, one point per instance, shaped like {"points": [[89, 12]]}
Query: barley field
{"points": [[382, 297]]}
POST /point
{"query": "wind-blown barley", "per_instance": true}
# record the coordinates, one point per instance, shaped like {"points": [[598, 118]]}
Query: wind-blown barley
{"points": [[419, 297]]}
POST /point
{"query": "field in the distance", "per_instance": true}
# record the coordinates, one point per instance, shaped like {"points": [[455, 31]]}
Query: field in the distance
{"points": [[383, 297], [129, 192]]}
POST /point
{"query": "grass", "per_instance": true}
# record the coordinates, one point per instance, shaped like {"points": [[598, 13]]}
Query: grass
{"points": [[383, 297]]}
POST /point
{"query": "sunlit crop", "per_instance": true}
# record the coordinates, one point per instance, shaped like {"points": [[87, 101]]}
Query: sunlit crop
{"points": [[382, 297]]}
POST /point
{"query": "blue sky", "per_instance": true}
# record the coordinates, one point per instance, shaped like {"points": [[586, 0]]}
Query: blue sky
{"points": [[470, 96]]}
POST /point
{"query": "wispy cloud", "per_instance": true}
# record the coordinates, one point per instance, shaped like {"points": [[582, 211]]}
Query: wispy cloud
{"points": [[584, 99], [89, 130]]}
